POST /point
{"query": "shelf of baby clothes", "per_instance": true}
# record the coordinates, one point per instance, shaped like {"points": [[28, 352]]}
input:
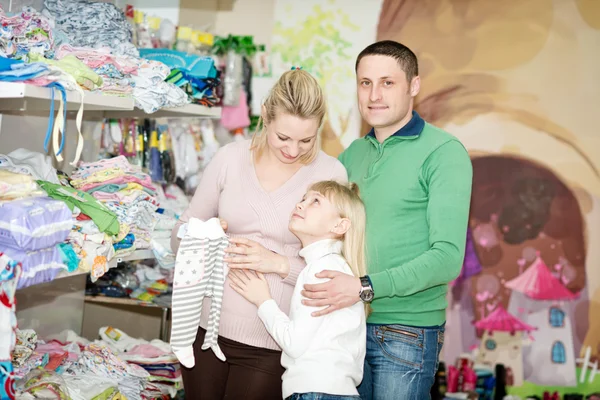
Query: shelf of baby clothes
{"points": [[186, 111], [127, 301], [18, 96], [137, 255]]}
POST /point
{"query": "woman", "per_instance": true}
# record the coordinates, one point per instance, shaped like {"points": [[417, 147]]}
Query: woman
{"points": [[253, 186]]}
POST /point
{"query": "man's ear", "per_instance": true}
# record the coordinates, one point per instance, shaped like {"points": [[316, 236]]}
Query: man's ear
{"points": [[341, 227], [415, 86]]}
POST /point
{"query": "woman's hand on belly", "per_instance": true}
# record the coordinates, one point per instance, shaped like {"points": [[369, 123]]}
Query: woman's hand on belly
{"points": [[248, 254]]}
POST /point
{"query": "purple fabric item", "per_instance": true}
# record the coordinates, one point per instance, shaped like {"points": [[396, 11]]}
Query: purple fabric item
{"points": [[39, 266], [34, 223], [471, 265]]}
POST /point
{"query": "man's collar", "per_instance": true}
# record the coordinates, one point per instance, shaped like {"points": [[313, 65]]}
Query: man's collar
{"points": [[412, 129]]}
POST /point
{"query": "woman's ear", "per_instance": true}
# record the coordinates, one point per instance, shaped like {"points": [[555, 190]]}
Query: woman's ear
{"points": [[341, 227], [263, 113]]}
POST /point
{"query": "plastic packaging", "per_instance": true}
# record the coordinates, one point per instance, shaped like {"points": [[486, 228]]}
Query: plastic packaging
{"points": [[34, 223], [184, 36], [142, 30], [154, 25], [232, 83]]}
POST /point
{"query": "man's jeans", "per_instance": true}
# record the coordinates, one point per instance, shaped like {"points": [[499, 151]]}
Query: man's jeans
{"points": [[401, 362], [320, 396]]}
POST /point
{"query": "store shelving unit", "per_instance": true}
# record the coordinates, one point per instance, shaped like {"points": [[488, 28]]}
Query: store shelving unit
{"points": [[24, 98]]}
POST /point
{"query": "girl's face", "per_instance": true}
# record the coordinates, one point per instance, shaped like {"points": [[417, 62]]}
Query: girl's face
{"points": [[290, 137], [315, 218]]}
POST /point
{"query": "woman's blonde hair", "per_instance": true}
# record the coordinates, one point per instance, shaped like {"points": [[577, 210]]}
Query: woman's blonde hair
{"points": [[346, 199], [296, 93]]}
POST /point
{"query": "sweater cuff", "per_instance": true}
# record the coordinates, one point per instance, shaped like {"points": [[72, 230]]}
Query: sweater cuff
{"points": [[266, 309], [383, 286], [295, 269]]}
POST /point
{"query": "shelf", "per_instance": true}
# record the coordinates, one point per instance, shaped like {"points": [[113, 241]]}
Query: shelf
{"points": [[18, 96], [136, 255], [24, 98], [127, 301], [187, 111]]}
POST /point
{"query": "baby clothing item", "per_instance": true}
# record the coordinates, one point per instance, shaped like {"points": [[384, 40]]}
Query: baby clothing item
{"points": [[199, 272], [98, 212], [29, 162]]}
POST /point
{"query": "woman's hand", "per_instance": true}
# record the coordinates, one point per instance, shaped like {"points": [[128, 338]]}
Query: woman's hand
{"points": [[248, 254], [251, 285]]}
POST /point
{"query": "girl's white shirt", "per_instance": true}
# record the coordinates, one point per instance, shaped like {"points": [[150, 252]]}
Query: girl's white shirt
{"points": [[320, 354]]}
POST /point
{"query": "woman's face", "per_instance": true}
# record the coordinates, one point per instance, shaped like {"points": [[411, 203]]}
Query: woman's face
{"points": [[290, 137]]}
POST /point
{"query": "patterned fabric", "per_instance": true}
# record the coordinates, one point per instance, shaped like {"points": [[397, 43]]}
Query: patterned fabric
{"points": [[10, 271], [26, 32], [91, 24]]}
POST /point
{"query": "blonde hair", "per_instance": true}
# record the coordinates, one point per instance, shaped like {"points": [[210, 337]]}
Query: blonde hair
{"points": [[347, 201], [296, 93]]}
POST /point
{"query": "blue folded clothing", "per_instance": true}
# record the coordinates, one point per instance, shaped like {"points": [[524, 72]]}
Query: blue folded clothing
{"points": [[196, 66], [16, 70]]}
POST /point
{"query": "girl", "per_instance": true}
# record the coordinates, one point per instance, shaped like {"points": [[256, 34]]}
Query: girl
{"points": [[323, 356], [251, 186]]}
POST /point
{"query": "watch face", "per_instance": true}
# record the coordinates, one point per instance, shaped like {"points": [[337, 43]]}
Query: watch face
{"points": [[366, 296]]}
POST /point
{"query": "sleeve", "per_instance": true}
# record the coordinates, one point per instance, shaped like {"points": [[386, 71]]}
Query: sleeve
{"points": [[293, 336], [297, 264], [205, 203], [339, 173], [448, 175]]}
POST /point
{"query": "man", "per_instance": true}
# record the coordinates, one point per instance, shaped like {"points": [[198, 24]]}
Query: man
{"points": [[415, 181]]}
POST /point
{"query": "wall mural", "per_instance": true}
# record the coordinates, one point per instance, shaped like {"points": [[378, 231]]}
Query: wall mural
{"points": [[520, 89], [324, 37]]}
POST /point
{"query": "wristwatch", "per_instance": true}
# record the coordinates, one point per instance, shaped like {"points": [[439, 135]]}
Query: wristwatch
{"points": [[366, 291]]}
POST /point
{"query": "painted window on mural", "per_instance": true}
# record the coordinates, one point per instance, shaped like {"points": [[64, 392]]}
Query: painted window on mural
{"points": [[557, 317], [558, 353], [490, 344]]}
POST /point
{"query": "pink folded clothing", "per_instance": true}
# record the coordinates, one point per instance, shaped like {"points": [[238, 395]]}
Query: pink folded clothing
{"points": [[144, 181], [86, 169], [147, 350]]}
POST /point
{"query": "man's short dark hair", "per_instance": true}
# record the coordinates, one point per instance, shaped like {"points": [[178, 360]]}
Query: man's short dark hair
{"points": [[405, 57]]}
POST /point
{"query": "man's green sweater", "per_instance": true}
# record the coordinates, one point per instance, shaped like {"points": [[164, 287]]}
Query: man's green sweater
{"points": [[416, 187]]}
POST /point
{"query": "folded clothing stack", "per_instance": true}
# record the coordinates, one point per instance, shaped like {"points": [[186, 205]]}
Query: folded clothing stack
{"points": [[91, 24], [196, 75], [28, 31], [127, 192], [93, 230], [114, 364], [30, 231]]}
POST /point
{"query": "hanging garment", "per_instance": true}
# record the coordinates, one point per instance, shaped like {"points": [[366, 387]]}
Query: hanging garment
{"points": [[9, 276], [199, 273]]}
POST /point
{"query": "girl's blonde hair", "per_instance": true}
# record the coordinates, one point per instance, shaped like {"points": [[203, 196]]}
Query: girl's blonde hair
{"points": [[346, 199], [296, 93]]}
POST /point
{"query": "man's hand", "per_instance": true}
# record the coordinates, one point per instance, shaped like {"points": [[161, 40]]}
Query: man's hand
{"points": [[340, 292]]}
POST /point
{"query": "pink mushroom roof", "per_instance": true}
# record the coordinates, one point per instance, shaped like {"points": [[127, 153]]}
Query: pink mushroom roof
{"points": [[501, 320], [538, 283]]}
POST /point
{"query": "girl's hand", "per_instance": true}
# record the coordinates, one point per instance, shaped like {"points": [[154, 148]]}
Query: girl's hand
{"points": [[253, 256], [224, 224], [251, 285]]}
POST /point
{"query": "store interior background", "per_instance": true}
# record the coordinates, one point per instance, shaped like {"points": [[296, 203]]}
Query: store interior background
{"points": [[517, 84]]}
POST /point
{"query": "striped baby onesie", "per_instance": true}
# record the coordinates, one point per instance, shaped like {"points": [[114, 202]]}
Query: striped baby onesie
{"points": [[199, 272]]}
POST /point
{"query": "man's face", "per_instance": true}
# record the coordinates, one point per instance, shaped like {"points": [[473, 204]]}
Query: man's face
{"points": [[384, 96]]}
